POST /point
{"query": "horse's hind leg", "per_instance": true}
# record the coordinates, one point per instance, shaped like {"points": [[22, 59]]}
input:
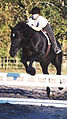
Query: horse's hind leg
{"points": [[45, 71], [58, 67], [57, 63], [44, 68]]}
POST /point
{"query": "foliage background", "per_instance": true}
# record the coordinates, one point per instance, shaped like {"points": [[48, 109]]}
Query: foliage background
{"points": [[12, 11]]}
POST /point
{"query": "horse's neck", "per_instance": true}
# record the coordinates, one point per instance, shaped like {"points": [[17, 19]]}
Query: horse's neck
{"points": [[29, 33]]}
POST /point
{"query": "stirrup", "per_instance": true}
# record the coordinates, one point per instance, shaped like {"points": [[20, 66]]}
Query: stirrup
{"points": [[57, 51]]}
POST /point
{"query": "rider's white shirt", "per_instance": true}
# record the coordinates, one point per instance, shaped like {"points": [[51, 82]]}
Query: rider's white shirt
{"points": [[40, 21]]}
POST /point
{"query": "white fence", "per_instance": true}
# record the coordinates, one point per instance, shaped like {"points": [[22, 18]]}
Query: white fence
{"points": [[39, 80]]}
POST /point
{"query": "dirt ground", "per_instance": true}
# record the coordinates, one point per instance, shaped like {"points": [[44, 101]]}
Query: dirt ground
{"points": [[34, 92], [10, 111]]}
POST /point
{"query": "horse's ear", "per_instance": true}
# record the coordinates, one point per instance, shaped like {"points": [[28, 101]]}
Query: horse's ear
{"points": [[10, 27]]}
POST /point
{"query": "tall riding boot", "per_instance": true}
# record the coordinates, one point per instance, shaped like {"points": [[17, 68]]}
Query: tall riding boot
{"points": [[50, 33]]}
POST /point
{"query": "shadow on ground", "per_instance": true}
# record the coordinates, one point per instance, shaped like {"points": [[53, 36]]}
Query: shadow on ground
{"points": [[32, 93], [16, 92]]}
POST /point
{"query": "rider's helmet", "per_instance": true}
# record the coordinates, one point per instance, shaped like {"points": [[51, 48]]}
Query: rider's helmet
{"points": [[35, 10]]}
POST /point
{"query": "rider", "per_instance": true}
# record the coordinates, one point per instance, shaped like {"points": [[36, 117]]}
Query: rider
{"points": [[38, 22]]}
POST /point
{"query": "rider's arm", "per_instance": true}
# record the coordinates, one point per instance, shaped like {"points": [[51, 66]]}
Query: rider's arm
{"points": [[42, 22], [32, 25], [36, 28]]}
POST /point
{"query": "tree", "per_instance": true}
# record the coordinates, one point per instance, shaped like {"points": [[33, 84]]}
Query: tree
{"points": [[13, 11]]}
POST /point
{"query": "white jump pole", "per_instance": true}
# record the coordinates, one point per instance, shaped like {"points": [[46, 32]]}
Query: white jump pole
{"points": [[37, 102], [6, 76]]}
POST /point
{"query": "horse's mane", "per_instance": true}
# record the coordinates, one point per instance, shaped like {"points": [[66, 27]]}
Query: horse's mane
{"points": [[27, 31], [25, 28], [23, 25]]}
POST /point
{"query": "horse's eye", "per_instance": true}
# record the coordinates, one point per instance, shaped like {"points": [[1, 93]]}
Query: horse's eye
{"points": [[14, 34]]}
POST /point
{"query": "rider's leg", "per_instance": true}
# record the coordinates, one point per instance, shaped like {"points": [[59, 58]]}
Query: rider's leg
{"points": [[49, 43], [50, 33]]}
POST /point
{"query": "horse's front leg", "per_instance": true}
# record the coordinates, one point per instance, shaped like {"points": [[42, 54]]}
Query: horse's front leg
{"points": [[29, 69], [24, 61], [32, 59]]}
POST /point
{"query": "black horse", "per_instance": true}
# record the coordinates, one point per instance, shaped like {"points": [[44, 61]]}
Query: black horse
{"points": [[34, 47]]}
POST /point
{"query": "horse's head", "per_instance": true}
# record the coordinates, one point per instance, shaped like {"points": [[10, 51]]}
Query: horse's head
{"points": [[17, 39]]}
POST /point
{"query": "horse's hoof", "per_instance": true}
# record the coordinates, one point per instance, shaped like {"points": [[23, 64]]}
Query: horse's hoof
{"points": [[31, 71], [60, 88]]}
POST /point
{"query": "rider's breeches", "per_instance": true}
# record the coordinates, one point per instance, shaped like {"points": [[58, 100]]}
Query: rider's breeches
{"points": [[50, 33]]}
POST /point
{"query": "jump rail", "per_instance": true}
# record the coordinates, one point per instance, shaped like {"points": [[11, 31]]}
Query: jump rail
{"points": [[37, 102], [39, 80]]}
